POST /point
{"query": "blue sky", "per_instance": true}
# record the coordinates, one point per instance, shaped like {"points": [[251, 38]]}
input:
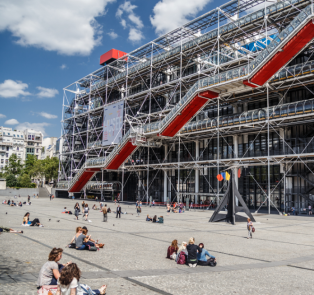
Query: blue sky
{"points": [[47, 45]]}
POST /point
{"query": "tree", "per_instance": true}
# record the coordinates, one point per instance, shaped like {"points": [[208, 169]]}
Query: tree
{"points": [[51, 167], [38, 169], [24, 181], [11, 180], [30, 162], [14, 166]]}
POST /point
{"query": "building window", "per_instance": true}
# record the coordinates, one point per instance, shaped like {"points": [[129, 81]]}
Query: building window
{"points": [[17, 148], [7, 155], [2, 161], [8, 148], [36, 150], [21, 136], [18, 136], [6, 161]]}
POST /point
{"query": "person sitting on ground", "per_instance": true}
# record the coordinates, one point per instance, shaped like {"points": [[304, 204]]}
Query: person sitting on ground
{"points": [[160, 219], [168, 208], [35, 222], [201, 257], [4, 202], [9, 230], [50, 271], [20, 204], [80, 239], [182, 254], [108, 210], [90, 241], [9, 202], [154, 219], [172, 250], [68, 282], [78, 232], [64, 210], [192, 253], [95, 207], [148, 218]]}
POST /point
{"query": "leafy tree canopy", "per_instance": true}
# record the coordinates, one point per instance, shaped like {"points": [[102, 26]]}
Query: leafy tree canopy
{"points": [[14, 166]]}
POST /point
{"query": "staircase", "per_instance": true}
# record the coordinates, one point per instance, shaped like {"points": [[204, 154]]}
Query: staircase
{"points": [[267, 63], [43, 192]]}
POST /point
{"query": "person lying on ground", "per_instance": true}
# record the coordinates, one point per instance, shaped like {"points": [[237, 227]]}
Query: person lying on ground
{"points": [[201, 257], [89, 241], [172, 250], [148, 218], [50, 271], [182, 254], [68, 282], [192, 252], [9, 230]]}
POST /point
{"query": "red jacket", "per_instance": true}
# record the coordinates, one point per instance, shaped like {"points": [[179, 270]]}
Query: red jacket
{"points": [[181, 258]]}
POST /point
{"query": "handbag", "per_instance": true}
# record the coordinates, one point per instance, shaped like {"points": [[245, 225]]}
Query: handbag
{"points": [[92, 248], [47, 290], [253, 229]]}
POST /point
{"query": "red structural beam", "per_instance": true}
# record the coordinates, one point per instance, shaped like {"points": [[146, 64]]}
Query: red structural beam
{"points": [[188, 112], [84, 178], [299, 41], [111, 55], [118, 160]]}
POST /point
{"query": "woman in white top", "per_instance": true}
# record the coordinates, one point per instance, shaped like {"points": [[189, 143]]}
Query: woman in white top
{"points": [[86, 211], [68, 282]]}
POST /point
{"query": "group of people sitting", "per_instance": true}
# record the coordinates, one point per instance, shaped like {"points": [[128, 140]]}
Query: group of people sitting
{"points": [[190, 254], [154, 219], [82, 241], [176, 208], [13, 203], [63, 276], [27, 222]]}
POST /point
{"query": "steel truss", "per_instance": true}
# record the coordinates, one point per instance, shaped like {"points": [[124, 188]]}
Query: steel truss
{"points": [[152, 79]]}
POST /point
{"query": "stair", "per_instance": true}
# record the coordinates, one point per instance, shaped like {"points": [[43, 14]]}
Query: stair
{"points": [[43, 192]]}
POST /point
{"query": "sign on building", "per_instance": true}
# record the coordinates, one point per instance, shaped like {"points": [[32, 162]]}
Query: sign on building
{"points": [[113, 123]]}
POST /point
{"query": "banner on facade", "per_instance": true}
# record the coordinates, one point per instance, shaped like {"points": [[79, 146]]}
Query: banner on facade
{"points": [[113, 123]]}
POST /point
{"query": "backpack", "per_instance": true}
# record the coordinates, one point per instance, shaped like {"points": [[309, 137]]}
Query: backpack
{"points": [[181, 258]]}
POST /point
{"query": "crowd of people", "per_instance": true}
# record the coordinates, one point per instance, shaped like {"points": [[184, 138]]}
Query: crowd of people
{"points": [[176, 208], [63, 277], [13, 203], [190, 254]]}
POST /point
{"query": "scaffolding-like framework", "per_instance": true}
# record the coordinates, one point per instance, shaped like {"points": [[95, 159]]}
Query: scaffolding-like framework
{"points": [[251, 129]]}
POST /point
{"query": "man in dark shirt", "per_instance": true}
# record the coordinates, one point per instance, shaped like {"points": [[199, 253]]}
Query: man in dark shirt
{"points": [[118, 211]]}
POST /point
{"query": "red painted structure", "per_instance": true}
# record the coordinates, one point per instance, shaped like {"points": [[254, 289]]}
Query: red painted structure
{"points": [[84, 178], [299, 41], [118, 160], [110, 56], [188, 112]]}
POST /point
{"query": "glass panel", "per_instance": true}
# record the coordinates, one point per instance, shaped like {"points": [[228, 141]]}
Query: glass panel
{"points": [[300, 107], [283, 111], [308, 106]]}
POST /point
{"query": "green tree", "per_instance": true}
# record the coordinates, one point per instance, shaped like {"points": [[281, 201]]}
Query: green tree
{"points": [[51, 167], [14, 166], [24, 181], [30, 162], [38, 169], [11, 180]]}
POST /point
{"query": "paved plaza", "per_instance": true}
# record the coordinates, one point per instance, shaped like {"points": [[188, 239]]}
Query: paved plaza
{"points": [[278, 260]]}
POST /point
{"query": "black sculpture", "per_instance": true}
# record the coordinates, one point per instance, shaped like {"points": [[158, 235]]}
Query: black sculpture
{"points": [[229, 199]]}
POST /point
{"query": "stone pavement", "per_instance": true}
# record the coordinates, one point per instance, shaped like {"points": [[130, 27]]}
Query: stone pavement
{"points": [[279, 258]]}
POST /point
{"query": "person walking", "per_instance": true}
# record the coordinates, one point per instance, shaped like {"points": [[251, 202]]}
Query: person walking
{"points": [[50, 196], [104, 211], [118, 198], [118, 211], [28, 198], [77, 210], [86, 211], [139, 210], [249, 228]]}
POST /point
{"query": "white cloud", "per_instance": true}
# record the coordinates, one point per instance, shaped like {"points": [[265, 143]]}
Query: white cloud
{"points": [[112, 35], [47, 92], [65, 26], [34, 126], [48, 116], [134, 21], [62, 67], [11, 122], [10, 88], [135, 35], [2, 116], [171, 14]]}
